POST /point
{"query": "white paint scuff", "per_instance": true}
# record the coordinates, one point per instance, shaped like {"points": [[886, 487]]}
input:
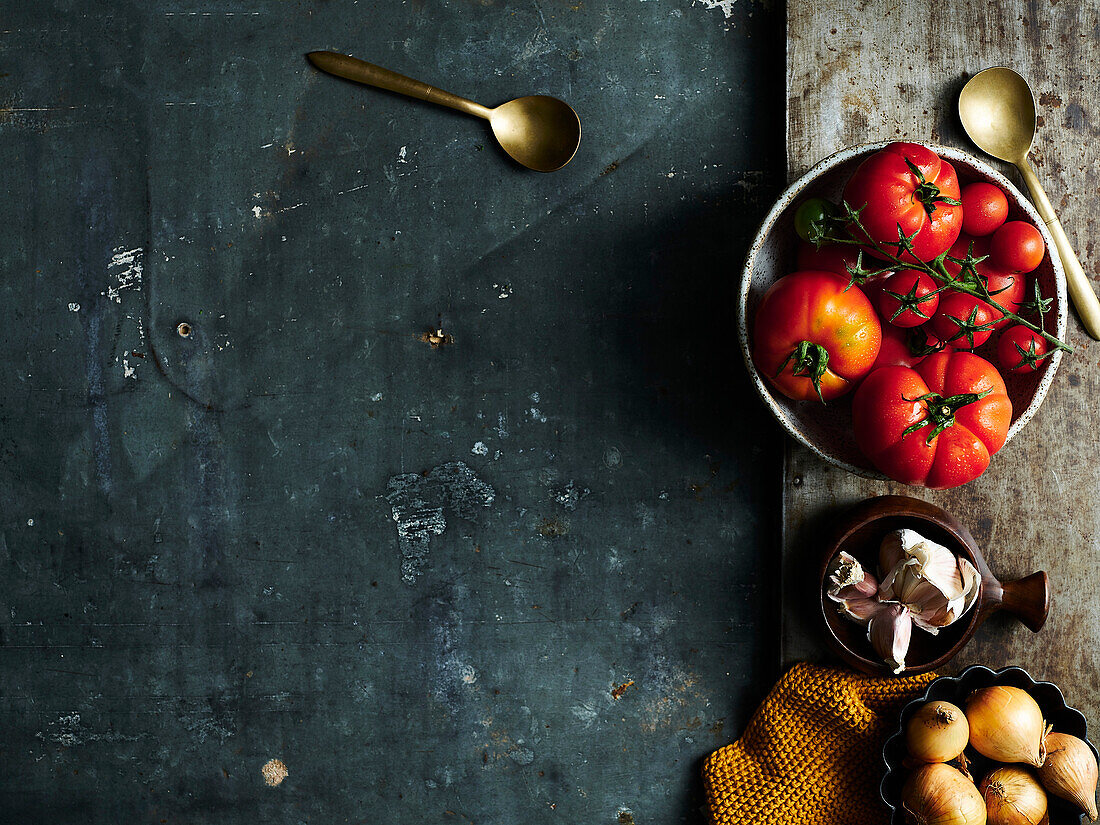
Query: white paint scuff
{"points": [[126, 267], [725, 5]]}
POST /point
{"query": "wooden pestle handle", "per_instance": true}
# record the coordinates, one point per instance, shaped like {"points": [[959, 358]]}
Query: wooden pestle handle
{"points": [[1028, 599]]}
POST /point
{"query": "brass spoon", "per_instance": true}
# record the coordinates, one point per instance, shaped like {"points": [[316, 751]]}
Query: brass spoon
{"points": [[997, 110], [540, 132]]}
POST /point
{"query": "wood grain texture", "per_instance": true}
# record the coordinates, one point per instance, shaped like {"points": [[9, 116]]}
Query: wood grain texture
{"points": [[882, 70]]}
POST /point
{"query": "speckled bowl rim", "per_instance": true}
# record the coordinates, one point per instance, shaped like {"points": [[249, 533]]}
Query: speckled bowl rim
{"points": [[994, 677], [787, 199]]}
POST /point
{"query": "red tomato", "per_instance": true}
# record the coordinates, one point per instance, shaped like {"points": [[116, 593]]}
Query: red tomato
{"points": [[909, 186], [1021, 350], [985, 208], [814, 336], [1005, 287], [936, 425], [1017, 246], [905, 347], [908, 298], [963, 321]]}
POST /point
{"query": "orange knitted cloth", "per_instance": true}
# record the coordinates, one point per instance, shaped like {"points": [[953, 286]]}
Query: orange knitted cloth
{"points": [[812, 753]]}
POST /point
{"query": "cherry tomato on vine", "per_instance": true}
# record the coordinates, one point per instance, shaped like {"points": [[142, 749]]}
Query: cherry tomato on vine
{"points": [[985, 208], [1005, 287], [908, 298], [815, 335], [936, 425], [1021, 350], [1017, 246], [963, 321], [811, 219], [906, 185], [905, 347]]}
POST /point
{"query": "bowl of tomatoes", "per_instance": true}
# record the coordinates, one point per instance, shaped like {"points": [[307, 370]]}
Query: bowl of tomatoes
{"points": [[902, 313]]}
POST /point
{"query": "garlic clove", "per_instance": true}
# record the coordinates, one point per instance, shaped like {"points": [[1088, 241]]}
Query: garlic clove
{"points": [[861, 610], [889, 632], [849, 579]]}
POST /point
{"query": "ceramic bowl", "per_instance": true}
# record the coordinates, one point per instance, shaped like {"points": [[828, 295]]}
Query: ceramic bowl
{"points": [[827, 430], [955, 689], [859, 531]]}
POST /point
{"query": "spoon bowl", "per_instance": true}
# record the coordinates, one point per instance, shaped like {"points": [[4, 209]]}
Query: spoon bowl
{"points": [[997, 110], [540, 132]]}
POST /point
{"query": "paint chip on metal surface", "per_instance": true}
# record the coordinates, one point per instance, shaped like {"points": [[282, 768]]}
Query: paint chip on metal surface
{"points": [[274, 772]]}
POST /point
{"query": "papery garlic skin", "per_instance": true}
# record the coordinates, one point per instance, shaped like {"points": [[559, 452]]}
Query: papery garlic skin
{"points": [[939, 611], [890, 631], [892, 550], [849, 580]]}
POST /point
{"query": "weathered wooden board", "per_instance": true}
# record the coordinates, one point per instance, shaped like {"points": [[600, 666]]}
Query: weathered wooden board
{"points": [[881, 70]]}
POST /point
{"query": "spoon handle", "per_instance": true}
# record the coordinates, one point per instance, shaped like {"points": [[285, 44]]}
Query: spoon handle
{"points": [[360, 71], [1080, 289]]}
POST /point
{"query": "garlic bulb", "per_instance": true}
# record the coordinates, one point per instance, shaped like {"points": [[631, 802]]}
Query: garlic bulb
{"points": [[936, 586], [924, 584], [1070, 772], [889, 632]]}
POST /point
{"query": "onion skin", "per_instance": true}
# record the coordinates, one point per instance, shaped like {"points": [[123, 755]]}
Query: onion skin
{"points": [[937, 732], [1070, 772], [937, 794], [1013, 797], [1006, 725]]}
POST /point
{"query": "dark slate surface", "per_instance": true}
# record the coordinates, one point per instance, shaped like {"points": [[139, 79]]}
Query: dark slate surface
{"points": [[420, 576]]}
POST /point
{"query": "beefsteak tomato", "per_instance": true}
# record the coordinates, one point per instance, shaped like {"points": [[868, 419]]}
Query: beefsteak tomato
{"points": [[906, 185], [936, 425], [815, 335]]}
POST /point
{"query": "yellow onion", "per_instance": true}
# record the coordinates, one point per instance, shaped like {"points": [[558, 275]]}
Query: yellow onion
{"points": [[1013, 797], [937, 732], [937, 794], [1006, 725], [1070, 771]]}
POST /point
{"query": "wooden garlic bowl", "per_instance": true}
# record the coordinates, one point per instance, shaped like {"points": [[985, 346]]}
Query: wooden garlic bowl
{"points": [[860, 530]]}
